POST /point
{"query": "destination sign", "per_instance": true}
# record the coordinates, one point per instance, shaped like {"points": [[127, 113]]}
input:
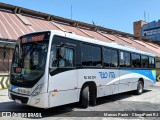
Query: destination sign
{"points": [[36, 37]]}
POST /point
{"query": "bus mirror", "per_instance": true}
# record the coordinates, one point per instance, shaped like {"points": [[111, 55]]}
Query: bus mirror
{"points": [[61, 52]]}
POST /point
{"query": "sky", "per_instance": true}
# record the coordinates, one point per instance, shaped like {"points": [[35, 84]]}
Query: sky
{"points": [[113, 14]]}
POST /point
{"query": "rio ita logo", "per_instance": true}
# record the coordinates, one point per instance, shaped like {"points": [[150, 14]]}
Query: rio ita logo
{"points": [[107, 74]]}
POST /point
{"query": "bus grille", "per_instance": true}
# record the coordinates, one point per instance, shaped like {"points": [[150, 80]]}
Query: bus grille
{"points": [[22, 99]]}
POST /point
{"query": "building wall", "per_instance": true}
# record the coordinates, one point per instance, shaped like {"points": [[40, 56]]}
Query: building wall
{"points": [[151, 30], [137, 27]]}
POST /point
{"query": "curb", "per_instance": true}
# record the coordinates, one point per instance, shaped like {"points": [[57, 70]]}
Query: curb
{"points": [[4, 82]]}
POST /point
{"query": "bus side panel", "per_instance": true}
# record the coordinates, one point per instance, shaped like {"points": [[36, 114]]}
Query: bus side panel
{"points": [[127, 80], [130, 78], [104, 90], [63, 88], [150, 78], [106, 80]]}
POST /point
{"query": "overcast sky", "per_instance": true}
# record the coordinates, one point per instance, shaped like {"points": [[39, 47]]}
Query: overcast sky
{"points": [[113, 14]]}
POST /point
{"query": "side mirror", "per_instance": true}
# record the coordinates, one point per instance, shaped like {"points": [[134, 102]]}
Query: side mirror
{"points": [[61, 52]]}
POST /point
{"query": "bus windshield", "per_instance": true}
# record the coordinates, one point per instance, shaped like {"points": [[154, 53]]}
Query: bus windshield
{"points": [[29, 61]]}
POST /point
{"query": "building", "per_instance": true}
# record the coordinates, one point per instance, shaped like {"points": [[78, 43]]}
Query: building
{"points": [[149, 30], [137, 27], [16, 21]]}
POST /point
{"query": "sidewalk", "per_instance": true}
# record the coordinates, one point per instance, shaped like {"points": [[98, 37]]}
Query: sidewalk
{"points": [[4, 92], [4, 96], [157, 84]]}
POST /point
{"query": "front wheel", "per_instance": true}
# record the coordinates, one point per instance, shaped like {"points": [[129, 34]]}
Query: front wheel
{"points": [[139, 88], [84, 98]]}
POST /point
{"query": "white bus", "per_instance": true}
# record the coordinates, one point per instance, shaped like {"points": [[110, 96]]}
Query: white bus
{"points": [[53, 68]]}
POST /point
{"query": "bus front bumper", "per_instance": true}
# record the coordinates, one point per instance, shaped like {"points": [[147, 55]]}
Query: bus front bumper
{"points": [[40, 101]]}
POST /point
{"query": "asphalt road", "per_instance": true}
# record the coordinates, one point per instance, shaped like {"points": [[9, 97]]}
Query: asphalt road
{"points": [[148, 101]]}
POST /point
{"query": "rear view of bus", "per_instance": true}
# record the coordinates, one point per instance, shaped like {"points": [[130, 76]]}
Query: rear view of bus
{"points": [[27, 76]]}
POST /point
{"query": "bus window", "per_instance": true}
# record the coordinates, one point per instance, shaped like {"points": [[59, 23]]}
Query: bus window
{"points": [[91, 55], [136, 61], [114, 58], [125, 60], [110, 57], [67, 61], [157, 62], [151, 62], [96, 56], [144, 61], [86, 55], [106, 57]]}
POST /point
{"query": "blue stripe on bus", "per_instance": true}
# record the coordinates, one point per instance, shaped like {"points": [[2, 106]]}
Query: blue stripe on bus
{"points": [[151, 74]]}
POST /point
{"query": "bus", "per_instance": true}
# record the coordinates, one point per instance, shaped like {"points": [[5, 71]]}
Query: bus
{"points": [[53, 68]]}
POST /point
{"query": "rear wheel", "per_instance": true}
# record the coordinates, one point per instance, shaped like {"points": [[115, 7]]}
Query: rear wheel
{"points": [[84, 98], [139, 88]]}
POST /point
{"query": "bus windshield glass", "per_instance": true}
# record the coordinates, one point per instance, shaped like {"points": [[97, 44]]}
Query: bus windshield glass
{"points": [[29, 58]]}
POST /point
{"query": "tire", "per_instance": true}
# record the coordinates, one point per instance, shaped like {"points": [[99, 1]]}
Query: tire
{"points": [[84, 98], [139, 88], [93, 97]]}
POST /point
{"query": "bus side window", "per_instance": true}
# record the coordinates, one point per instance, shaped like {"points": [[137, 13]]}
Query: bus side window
{"points": [[91, 55], [106, 57], [125, 60], [86, 55], [114, 58], [110, 57], [67, 61], [96, 56], [136, 61], [151, 62], [144, 61]]}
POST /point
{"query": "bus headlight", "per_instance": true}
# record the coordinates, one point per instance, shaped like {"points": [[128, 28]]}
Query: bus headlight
{"points": [[37, 90]]}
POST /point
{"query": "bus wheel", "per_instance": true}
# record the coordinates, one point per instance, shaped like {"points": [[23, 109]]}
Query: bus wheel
{"points": [[84, 98], [139, 88]]}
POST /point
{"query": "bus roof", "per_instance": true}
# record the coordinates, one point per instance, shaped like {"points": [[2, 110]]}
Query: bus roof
{"points": [[98, 42]]}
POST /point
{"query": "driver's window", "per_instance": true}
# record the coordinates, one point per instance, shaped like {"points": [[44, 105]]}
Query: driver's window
{"points": [[57, 61], [53, 57], [67, 60]]}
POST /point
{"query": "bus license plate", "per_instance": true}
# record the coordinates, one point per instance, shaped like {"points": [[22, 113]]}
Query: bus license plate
{"points": [[18, 101]]}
